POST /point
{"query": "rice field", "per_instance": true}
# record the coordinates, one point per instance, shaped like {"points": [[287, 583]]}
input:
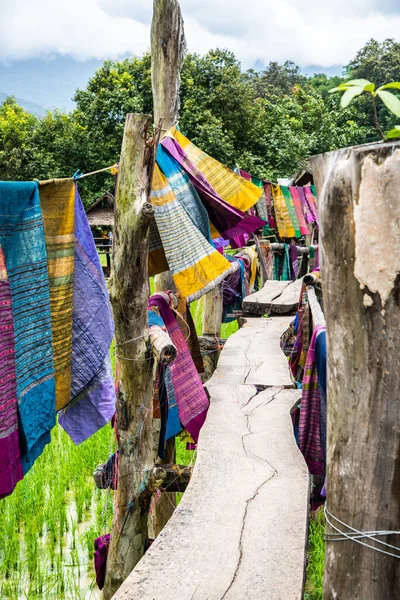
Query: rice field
{"points": [[48, 525]]}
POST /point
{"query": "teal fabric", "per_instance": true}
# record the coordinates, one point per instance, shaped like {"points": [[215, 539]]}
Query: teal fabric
{"points": [[23, 243]]}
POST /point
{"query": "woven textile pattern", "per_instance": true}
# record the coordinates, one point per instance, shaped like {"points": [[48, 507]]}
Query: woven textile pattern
{"points": [[57, 203], [23, 244]]}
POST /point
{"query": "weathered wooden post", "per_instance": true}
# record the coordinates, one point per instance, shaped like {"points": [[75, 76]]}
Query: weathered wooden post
{"points": [[168, 48], [167, 53], [129, 292], [358, 190]]}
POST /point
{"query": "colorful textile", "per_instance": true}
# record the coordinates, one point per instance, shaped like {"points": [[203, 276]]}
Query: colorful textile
{"points": [[282, 269], [188, 329], [101, 546], [309, 429], [283, 221], [191, 397], [57, 198], [291, 210], [233, 292], [10, 463], [23, 244], [320, 349], [268, 200], [222, 209], [196, 266], [298, 356], [250, 252], [294, 261], [232, 188], [309, 216], [92, 391], [312, 204], [294, 192]]}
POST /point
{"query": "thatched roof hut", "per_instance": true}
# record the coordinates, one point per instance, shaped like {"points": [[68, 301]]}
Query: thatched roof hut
{"points": [[101, 213]]}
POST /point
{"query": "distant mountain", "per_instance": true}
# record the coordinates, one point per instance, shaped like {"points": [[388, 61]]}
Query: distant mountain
{"points": [[32, 107]]}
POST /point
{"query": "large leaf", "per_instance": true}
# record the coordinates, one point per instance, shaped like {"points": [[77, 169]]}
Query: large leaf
{"points": [[393, 133], [394, 84], [349, 94], [391, 101], [369, 88], [340, 88], [358, 82]]}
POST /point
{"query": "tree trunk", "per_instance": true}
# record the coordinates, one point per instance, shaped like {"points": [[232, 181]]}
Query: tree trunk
{"points": [[358, 192], [129, 292], [168, 48]]}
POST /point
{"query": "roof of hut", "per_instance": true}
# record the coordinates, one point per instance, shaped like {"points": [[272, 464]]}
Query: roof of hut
{"points": [[101, 213]]}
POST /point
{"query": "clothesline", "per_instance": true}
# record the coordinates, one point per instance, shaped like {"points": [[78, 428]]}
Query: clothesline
{"points": [[78, 175]]}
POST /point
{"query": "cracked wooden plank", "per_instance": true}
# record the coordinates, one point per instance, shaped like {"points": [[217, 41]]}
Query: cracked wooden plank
{"points": [[289, 299], [259, 303], [253, 356], [240, 530]]}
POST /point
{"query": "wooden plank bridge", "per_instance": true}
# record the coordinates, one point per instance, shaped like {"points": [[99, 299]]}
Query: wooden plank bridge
{"points": [[240, 530]]}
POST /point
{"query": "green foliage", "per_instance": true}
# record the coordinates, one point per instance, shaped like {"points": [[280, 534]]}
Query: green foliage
{"points": [[267, 122], [356, 87], [316, 556]]}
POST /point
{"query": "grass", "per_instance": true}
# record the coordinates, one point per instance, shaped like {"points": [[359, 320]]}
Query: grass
{"points": [[316, 554]]}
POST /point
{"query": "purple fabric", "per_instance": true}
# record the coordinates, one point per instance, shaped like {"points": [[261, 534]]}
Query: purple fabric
{"points": [[229, 221], [240, 241], [190, 395], [305, 206], [92, 393], [101, 546], [309, 428], [312, 205], [10, 463], [294, 261]]}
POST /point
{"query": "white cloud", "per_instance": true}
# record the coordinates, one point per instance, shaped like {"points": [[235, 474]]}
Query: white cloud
{"points": [[309, 32]]}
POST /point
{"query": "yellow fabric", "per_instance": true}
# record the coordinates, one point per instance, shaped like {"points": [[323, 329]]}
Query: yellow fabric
{"points": [[232, 188], [195, 265], [57, 199], [252, 254], [283, 221]]}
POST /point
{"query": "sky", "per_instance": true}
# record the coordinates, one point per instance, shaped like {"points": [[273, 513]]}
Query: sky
{"points": [[50, 47]]}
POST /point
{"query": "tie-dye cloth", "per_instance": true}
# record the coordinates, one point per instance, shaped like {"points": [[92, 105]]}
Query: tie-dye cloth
{"points": [[23, 244]]}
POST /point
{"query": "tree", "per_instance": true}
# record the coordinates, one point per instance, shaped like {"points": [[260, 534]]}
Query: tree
{"points": [[16, 130]]}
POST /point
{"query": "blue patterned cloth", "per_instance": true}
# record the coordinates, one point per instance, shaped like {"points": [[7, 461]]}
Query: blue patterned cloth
{"points": [[23, 243]]}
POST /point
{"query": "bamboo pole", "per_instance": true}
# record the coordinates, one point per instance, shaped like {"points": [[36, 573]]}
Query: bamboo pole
{"points": [[358, 191], [129, 291]]}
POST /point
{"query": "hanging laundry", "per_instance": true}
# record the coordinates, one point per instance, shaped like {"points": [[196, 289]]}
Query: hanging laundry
{"points": [[233, 292], [92, 402], [282, 268], [251, 254], [224, 206], [196, 266], [191, 398], [320, 350], [309, 428], [291, 210], [294, 192], [298, 356], [230, 187], [312, 204], [23, 244], [283, 221], [57, 201], [309, 216], [101, 547], [294, 261], [10, 463]]}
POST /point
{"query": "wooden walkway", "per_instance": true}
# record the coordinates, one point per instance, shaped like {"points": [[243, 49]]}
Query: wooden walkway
{"points": [[240, 530]]}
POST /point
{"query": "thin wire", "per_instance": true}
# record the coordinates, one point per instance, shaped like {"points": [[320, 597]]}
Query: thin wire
{"points": [[356, 535]]}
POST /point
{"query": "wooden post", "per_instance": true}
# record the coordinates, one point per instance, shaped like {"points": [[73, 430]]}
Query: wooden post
{"points": [[168, 49], [129, 292], [167, 53], [358, 191], [211, 329]]}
